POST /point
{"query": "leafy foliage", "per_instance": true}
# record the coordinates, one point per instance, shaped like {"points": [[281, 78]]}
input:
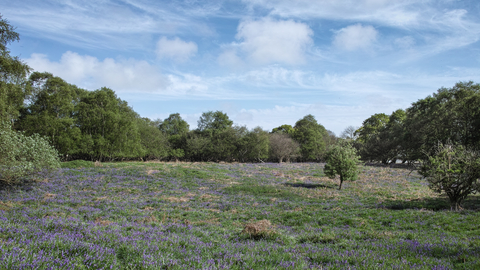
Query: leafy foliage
{"points": [[13, 74], [311, 136], [23, 156], [51, 112], [451, 114], [285, 129], [214, 122], [342, 160], [454, 170]]}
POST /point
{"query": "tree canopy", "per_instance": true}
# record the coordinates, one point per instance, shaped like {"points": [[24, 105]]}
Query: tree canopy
{"points": [[311, 136], [13, 73]]}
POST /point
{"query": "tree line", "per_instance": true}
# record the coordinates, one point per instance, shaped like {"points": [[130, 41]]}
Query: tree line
{"points": [[449, 116], [97, 125]]}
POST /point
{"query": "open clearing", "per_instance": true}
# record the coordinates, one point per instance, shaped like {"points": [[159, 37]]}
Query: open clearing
{"points": [[233, 216]]}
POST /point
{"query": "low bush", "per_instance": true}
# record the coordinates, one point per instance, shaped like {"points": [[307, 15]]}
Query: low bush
{"points": [[23, 156]]}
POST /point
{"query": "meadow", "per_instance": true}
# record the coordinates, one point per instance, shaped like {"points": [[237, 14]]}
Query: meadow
{"points": [[233, 216]]}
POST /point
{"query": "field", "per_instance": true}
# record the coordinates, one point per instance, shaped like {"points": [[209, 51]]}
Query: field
{"points": [[233, 216]]}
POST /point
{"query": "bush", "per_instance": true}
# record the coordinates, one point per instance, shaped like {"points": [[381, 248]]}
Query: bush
{"points": [[454, 170], [23, 156], [342, 160]]}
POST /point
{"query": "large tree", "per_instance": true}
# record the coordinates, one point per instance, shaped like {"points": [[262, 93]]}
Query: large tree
{"points": [[176, 130], [13, 74], [51, 112], [285, 129], [283, 147], [312, 137], [108, 126], [371, 137], [252, 145], [450, 115], [211, 122], [154, 142]]}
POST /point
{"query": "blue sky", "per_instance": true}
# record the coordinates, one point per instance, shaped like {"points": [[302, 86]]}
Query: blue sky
{"points": [[263, 62]]}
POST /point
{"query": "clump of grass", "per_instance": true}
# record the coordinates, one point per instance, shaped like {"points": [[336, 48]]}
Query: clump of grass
{"points": [[324, 237], [262, 229], [76, 164]]}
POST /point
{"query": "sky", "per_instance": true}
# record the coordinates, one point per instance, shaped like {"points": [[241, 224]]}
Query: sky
{"points": [[262, 62]]}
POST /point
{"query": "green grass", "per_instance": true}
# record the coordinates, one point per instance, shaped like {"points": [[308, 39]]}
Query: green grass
{"points": [[136, 215]]}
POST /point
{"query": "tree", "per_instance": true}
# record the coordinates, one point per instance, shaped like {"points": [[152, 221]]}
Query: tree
{"points": [[252, 145], [454, 170], [174, 125], [450, 115], [285, 129], [371, 138], [13, 73], [311, 136], [152, 139], [349, 133], [51, 112], [23, 156], [342, 160], [176, 130], [108, 126], [283, 147], [213, 122]]}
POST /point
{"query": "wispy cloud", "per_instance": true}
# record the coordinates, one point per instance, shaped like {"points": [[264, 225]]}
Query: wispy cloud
{"points": [[100, 24]]}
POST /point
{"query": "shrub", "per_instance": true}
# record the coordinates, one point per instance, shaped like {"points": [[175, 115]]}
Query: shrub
{"points": [[454, 170], [342, 160], [23, 156]]}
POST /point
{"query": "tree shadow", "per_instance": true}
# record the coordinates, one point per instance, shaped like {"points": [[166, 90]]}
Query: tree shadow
{"points": [[434, 204], [24, 185], [309, 185]]}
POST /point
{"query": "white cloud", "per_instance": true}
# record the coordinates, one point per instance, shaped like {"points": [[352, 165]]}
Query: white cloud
{"points": [[91, 73], [395, 13], [268, 41], [175, 49], [355, 37]]}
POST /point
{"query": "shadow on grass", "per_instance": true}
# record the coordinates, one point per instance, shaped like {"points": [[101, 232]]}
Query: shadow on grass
{"points": [[23, 185], [434, 204], [307, 185]]}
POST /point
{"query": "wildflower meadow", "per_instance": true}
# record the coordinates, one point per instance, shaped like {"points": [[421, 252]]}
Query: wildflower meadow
{"points": [[152, 215]]}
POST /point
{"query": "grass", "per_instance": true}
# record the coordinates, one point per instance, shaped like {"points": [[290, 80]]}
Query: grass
{"points": [[233, 216]]}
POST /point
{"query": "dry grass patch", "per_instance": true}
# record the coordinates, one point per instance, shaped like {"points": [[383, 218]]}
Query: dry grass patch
{"points": [[150, 172], [176, 199], [102, 222], [208, 197], [258, 230], [49, 196]]}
